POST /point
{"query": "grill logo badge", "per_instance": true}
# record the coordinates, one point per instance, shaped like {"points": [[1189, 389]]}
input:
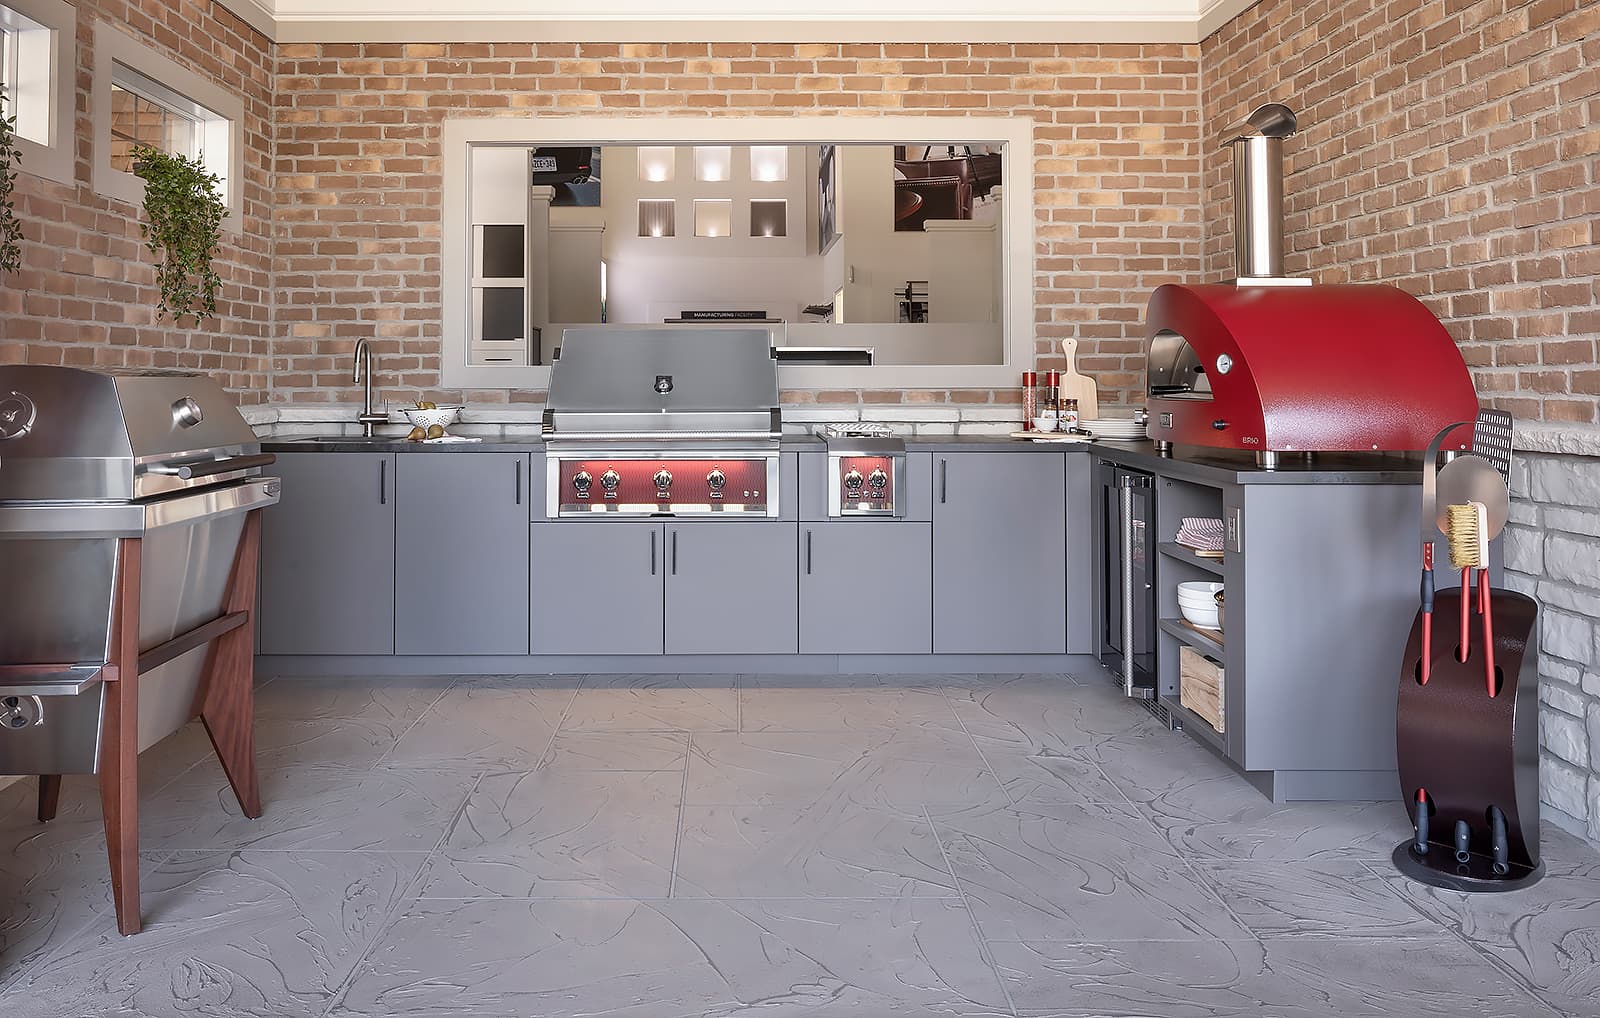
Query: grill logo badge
{"points": [[663, 384]]}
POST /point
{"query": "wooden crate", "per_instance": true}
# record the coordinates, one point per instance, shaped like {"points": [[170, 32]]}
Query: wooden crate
{"points": [[1201, 686]]}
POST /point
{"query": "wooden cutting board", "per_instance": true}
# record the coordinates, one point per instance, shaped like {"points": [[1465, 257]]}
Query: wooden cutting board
{"points": [[1079, 387]]}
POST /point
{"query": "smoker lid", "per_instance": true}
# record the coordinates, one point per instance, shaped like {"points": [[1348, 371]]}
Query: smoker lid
{"points": [[69, 434]]}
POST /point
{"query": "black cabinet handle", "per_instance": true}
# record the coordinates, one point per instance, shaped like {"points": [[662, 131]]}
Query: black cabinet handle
{"points": [[944, 479], [519, 482], [652, 553], [674, 553], [808, 553], [383, 482]]}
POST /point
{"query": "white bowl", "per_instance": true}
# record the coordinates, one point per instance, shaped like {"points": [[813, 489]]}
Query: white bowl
{"points": [[1199, 590], [1044, 422], [443, 416], [1202, 618]]}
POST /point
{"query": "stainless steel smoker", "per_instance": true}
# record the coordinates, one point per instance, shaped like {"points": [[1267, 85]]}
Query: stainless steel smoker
{"points": [[128, 546]]}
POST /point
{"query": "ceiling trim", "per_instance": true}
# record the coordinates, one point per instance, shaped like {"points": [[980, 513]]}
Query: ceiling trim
{"points": [[299, 26]]}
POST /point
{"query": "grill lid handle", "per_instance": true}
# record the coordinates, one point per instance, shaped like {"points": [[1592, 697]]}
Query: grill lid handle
{"points": [[210, 468]]}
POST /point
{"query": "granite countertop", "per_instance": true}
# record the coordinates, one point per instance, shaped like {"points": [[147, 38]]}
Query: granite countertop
{"points": [[1214, 466]]}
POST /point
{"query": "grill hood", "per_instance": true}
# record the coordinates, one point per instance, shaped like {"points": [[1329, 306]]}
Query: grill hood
{"points": [[71, 435]]}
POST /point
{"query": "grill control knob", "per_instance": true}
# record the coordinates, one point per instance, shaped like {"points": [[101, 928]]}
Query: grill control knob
{"points": [[878, 479], [852, 480], [716, 479], [610, 479], [581, 480], [663, 480]]}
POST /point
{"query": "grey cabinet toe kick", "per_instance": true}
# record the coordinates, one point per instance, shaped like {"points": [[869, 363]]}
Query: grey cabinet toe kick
{"points": [[1069, 666]]}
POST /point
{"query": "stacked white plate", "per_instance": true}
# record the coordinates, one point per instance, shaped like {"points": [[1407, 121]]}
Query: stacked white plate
{"points": [[1115, 429]]}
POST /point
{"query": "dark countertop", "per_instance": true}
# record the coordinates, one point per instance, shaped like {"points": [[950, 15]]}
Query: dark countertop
{"points": [[1208, 466]]}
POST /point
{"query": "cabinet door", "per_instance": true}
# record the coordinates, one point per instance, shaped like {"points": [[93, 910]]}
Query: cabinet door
{"points": [[847, 567], [327, 556], [597, 587], [999, 553], [731, 588], [461, 553]]}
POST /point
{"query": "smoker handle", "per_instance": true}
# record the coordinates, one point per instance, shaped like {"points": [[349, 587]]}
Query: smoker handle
{"points": [[1126, 484], [210, 468]]}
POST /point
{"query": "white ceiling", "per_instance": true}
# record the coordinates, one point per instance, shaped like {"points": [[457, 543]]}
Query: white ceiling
{"points": [[736, 21]]}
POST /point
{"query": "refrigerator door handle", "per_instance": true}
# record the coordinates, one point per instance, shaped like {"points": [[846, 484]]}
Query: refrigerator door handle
{"points": [[1126, 483]]}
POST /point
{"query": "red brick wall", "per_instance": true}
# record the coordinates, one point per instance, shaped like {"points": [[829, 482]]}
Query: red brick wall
{"points": [[1448, 148], [357, 207], [86, 294]]}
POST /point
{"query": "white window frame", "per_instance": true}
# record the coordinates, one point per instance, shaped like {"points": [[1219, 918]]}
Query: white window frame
{"points": [[219, 115], [46, 32]]}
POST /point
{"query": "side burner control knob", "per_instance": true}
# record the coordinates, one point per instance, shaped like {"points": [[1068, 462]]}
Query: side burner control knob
{"points": [[852, 480], [610, 479], [581, 480], [878, 479], [716, 479]]}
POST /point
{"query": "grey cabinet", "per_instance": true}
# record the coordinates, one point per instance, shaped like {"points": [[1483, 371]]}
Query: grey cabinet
{"points": [[461, 553], [327, 556], [845, 567], [999, 553], [597, 588], [731, 588]]}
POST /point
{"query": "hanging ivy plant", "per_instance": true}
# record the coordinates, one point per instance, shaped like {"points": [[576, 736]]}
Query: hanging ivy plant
{"points": [[10, 228], [183, 226]]}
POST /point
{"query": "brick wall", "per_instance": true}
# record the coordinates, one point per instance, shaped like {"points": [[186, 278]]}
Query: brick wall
{"points": [[357, 206], [86, 294], [1447, 148]]}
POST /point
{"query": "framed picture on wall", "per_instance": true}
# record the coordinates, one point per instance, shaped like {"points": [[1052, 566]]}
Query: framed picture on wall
{"points": [[827, 224]]}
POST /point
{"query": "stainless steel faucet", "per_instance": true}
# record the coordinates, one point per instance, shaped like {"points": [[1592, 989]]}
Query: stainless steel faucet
{"points": [[363, 373]]}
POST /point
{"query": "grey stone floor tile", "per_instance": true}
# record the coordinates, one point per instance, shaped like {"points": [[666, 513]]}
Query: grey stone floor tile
{"points": [[391, 699], [652, 703], [563, 834], [499, 724], [1048, 714], [227, 934], [1290, 977], [1084, 872], [1335, 898], [617, 751], [833, 850], [1549, 933], [309, 808], [676, 959], [1047, 778], [897, 770], [325, 742], [804, 703], [1207, 811]]}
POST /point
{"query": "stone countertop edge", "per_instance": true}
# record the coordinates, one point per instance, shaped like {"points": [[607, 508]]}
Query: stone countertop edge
{"points": [[1197, 464]]}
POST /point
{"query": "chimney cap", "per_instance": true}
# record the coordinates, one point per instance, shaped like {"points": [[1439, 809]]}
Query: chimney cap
{"points": [[1272, 120]]}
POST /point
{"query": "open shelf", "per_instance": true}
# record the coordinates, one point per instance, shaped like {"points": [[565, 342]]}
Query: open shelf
{"points": [[1198, 640], [1194, 724], [1173, 550]]}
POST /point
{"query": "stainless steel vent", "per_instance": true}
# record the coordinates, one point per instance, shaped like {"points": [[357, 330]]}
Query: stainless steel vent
{"points": [[1258, 193]]}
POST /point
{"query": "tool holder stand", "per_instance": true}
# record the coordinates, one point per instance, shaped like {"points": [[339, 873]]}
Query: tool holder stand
{"points": [[1470, 751]]}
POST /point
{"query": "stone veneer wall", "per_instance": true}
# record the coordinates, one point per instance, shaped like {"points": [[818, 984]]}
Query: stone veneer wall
{"points": [[1553, 554], [1118, 175], [86, 294]]}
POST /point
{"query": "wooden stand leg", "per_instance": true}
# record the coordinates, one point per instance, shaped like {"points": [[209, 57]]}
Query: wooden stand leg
{"points": [[49, 796], [118, 766], [226, 701]]}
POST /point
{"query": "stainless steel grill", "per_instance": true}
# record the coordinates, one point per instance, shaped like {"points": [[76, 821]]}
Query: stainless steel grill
{"points": [[125, 505], [663, 422]]}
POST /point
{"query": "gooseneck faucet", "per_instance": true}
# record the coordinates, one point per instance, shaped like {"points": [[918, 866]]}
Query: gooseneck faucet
{"points": [[363, 373]]}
